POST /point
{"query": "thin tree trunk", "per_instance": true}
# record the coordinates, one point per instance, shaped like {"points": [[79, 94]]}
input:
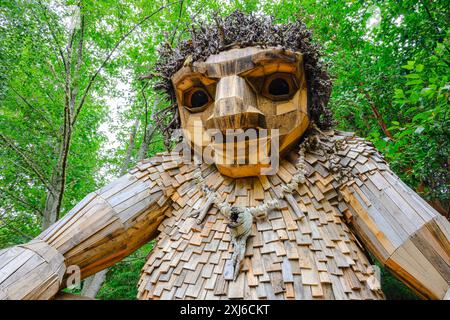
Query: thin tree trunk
{"points": [[55, 194], [143, 149], [72, 105], [127, 159], [50, 214], [149, 131], [378, 116], [71, 113], [93, 284]]}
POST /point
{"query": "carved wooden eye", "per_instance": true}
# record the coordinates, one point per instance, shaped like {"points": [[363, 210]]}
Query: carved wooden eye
{"points": [[196, 99], [279, 87], [199, 98]]}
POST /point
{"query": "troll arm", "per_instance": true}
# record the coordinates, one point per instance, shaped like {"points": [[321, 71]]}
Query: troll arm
{"points": [[395, 224], [106, 226]]}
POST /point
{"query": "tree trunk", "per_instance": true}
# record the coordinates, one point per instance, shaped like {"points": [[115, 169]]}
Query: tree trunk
{"points": [[378, 116], [56, 192], [148, 133], [93, 284], [50, 213], [127, 159], [143, 149]]}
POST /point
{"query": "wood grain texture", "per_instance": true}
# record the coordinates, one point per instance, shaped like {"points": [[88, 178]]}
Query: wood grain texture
{"points": [[103, 228], [114, 221], [309, 248], [304, 250], [405, 233], [33, 271], [237, 82]]}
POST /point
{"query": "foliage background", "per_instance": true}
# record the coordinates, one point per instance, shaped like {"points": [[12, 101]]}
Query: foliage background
{"points": [[389, 61]]}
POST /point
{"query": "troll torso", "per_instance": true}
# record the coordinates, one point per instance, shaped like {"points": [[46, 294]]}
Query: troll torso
{"points": [[314, 256]]}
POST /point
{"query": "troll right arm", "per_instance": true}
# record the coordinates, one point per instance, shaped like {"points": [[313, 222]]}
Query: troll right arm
{"points": [[106, 226]]}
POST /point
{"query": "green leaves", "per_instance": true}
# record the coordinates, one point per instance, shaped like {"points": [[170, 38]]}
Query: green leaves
{"points": [[409, 65], [400, 67], [420, 143], [419, 67], [32, 110]]}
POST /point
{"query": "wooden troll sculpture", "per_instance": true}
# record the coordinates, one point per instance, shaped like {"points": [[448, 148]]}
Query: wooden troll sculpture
{"points": [[225, 230]]}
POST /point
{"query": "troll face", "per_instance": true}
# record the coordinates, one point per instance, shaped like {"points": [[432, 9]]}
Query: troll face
{"points": [[239, 102]]}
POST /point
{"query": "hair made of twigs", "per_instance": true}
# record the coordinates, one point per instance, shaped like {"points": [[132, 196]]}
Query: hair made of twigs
{"points": [[243, 30]]}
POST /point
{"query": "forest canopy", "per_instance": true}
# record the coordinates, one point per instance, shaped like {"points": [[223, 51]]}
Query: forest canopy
{"points": [[77, 107]]}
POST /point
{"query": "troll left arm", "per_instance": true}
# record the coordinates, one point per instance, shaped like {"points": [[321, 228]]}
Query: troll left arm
{"points": [[395, 224]]}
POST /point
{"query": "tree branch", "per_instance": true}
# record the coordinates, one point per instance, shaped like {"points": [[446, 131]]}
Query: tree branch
{"points": [[146, 108], [8, 225], [25, 203], [149, 129], [27, 160], [178, 23], [74, 89], [31, 106], [109, 55], [130, 147], [378, 116], [52, 33]]}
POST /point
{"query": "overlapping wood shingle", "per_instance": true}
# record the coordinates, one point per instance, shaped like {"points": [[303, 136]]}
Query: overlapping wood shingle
{"points": [[312, 256]]}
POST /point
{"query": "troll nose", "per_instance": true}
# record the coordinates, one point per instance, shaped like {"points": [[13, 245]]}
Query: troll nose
{"points": [[235, 106]]}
